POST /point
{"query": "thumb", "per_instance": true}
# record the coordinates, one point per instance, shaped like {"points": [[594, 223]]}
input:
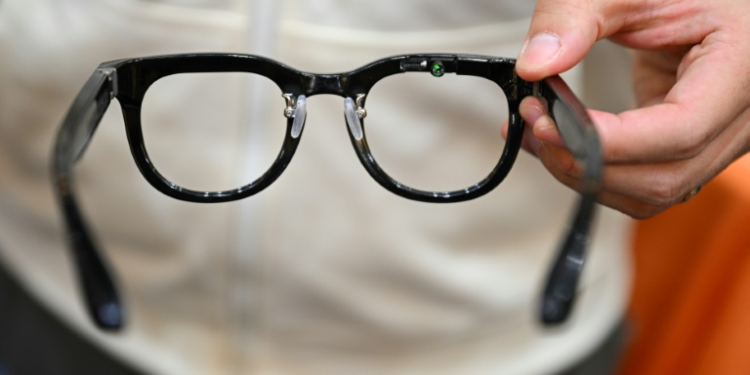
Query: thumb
{"points": [[560, 35]]}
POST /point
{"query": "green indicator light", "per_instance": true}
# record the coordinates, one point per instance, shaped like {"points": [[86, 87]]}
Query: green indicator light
{"points": [[438, 70]]}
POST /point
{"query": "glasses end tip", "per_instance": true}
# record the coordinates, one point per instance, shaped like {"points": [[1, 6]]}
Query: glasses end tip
{"points": [[555, 311], [110, 317]]}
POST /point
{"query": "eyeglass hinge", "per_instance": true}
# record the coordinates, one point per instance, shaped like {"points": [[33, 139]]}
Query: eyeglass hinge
{"points": [[112, 79], [525, 88]]}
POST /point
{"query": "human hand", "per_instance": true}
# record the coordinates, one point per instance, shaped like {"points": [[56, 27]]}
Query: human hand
{"points": [[692, 82]]}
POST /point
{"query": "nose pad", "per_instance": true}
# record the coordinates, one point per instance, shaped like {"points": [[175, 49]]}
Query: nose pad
{"points": [[352, 119], [300, 114]]}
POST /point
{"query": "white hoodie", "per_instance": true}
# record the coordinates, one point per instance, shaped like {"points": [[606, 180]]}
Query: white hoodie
{"points": [[324, 272]]}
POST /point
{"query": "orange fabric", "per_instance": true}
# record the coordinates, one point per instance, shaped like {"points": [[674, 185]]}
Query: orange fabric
{"points": [[690, 309]]}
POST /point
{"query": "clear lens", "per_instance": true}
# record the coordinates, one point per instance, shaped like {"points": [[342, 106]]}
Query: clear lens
{"points": [[436, 133], [213, 131]]}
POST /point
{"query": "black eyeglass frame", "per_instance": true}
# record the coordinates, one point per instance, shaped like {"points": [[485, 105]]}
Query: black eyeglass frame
{"points": [[129, 79]]}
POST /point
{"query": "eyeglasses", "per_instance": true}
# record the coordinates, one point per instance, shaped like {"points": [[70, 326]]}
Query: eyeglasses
{"points": [[129, 79]]}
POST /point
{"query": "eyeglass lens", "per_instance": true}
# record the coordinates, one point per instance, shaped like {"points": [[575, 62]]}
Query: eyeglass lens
{"points": [[429, 133], [436, 133], [213, 131]]}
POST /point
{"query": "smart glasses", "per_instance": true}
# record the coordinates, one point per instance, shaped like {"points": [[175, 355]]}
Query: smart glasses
{"points": [[128, 80]]}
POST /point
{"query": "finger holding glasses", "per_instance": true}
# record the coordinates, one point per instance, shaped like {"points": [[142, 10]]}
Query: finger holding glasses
{"points": [[691, 74]]}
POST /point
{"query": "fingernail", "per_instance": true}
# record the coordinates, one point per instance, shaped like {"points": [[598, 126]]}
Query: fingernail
{"points": [[532, 113], [540, 50]]}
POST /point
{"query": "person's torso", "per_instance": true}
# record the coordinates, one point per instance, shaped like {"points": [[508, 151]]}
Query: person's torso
{"points": [[323, 272]]}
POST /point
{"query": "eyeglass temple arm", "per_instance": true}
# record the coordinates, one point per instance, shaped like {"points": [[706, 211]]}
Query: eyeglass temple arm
{"points": [[99, 290], [562, 283], [580, 136]]}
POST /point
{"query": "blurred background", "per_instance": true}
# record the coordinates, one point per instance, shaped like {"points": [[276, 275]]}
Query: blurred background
{"points": [[326, 272]]}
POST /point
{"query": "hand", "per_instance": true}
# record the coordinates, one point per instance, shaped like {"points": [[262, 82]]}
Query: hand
{"points": [[692, 82]]}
